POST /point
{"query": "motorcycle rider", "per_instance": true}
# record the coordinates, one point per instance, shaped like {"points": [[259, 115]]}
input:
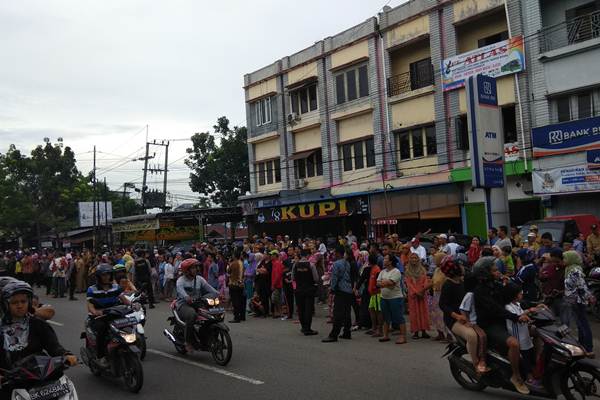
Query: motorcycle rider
{"points": [[121, 279], [142, 275], [104, 294], [23, 333], [190, 287], [492, 316]]}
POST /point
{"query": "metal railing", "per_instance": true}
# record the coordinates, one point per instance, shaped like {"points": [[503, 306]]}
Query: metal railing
{"points": [[573, 31], [407, 82]]}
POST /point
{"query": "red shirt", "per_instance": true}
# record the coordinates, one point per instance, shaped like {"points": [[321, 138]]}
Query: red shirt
{"points": [[276, 274], [373, 289], [552, 277]]}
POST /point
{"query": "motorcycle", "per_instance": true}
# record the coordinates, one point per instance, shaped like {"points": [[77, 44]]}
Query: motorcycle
{"points": [[210, 331], [122, 351], [593, 283], [567, 371], [138, 302], [40, 377]]}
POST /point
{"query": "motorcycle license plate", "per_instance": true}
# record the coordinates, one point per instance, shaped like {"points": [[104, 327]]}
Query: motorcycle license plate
{"points": [[218, 310], [49, 392], [123, 322]]}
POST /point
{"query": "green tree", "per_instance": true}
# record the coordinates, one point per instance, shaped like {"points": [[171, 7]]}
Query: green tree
{"points": [[220, 170]]}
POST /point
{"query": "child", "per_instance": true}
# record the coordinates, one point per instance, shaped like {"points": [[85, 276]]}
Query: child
{"points": [[169, 278], [507, 259], [467, 308], [256, 306]]}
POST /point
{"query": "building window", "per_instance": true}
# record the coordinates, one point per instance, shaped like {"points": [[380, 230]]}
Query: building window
{"points": [[304, 100], [421, 74], [461, 127], [417, 143], [585, 105], [352, 84], [563, 109], [310, 166], [269, 172], [509, 122], [357, 155], [498, 37], [582, 22], [262, 110]]}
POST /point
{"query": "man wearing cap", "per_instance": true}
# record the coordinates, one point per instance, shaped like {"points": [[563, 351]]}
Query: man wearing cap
{"points": [[443, 243], [415, 247], [593, 242]]}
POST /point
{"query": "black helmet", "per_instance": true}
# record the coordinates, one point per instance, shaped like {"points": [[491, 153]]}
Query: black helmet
{"points": [[12, 288], [102, 269], [5, 280]]}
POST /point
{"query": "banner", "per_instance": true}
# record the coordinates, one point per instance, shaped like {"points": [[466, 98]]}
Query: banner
{"points": [[566, 137], [86, 213], [511, 152], [593, 159], [316, 210], [496, 60], [572, 179], [135, 226], [485, 135]]}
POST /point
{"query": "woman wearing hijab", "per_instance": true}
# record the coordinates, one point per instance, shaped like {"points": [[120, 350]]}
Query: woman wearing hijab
{"points": [[249, 274], [474, 252], [418, 286]]}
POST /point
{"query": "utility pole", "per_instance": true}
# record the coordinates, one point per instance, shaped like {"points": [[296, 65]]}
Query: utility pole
{"points": [[94, 198], [165, 177], [106, 213], [146, 157], [157, 170], [385, 198]]}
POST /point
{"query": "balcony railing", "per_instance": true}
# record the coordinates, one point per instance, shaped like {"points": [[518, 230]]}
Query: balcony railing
{"points": [[573, 31], [407, 82]]}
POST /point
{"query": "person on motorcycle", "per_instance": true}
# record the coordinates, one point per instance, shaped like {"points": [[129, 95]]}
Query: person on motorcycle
{"points": [[24, 334], [104, 294], [492, 316], [142, 275], [121, 279], [191, 287]]}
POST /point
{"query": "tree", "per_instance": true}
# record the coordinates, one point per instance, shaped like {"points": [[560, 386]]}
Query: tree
{"points": [[220, 170]]}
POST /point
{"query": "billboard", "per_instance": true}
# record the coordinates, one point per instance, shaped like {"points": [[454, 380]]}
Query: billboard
{"points": [[566, 137], [316, 210], [495, 60], [485, 134], [571, 179], [593, 159], [86, 213]]}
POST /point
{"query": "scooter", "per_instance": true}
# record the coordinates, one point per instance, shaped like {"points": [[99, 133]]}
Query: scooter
{"points": [[137, 301], [567, 371], [122, 351], [40, 377], [211, 333]]}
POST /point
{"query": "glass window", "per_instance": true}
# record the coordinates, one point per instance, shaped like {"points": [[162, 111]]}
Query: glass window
{"points": [[277, 168], [370, 150], [363, 81], [563, 109], [302, 168], [351, 83], [431, 141], [312, 97], [462, 132], [509, 121], [421, 74], [498, 37], [319, 162], [269, 172], [267, 107], [294, 102], [347, 156], [359, 161], [261, 174], [585, 106], [258, 112], [404, 146], [310, 166], [340, 89], [303, 93], [417, 142]]}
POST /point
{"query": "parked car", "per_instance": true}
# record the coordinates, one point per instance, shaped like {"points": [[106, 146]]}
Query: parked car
{"points": [[562, 226], [584, 221]]}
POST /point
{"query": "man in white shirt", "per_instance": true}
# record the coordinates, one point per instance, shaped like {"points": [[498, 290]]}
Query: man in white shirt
{"points": [[418, 249], [350, 238], [452, 246]]}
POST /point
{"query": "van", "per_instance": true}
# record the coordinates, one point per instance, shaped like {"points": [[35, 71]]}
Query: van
{"points": [[562, 227]]}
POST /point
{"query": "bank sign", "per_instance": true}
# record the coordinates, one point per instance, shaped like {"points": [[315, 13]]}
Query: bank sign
{"points": [[496, 60], [485, 136], [316, 210], [567, 137]]}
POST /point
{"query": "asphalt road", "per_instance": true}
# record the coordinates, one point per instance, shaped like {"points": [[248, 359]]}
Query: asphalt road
{"points": [[272, 360]]}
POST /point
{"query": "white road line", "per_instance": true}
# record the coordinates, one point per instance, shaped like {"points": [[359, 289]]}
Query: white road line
{"points": [[54, 323], [207, 367]]}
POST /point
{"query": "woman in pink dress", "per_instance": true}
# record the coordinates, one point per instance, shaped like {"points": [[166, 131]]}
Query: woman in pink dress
{"points": [[418, 286]]}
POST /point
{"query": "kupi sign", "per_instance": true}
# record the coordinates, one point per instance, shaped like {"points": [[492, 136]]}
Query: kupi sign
{"points": [[316, 210], [566, 137], [495, 60]]}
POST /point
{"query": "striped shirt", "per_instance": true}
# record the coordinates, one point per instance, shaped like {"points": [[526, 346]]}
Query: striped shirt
{"points": [[104, 298]]}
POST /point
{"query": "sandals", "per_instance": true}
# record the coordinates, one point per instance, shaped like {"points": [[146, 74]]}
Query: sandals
{"points": [[401, 340]]}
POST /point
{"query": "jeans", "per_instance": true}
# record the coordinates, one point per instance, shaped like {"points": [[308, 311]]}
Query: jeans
{"points": [[563, 310], [238, 301], [146, 285], [342, 308], [188, 315], [59, 286], [306, 306], [583, 327], [100, 328], [249, 288], [288, 291]]}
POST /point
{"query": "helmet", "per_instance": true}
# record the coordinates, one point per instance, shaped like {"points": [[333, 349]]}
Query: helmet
{"points": [[103, 268], [187, 264], [5, 280], [13, 288], [119, 268], [595, 273]]}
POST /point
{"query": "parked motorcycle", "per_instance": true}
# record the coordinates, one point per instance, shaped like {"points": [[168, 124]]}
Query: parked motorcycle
{"points": [[593, 282], [122, 350], [212, 334], [40, 377], [138, 301], [567, 371]]}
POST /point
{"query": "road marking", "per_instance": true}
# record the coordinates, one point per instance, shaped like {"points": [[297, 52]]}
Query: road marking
{"points": [[54, 323], [207, 367]]}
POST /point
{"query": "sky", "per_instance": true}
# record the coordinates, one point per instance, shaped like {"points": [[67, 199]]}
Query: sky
{"points": [[106, 73]]}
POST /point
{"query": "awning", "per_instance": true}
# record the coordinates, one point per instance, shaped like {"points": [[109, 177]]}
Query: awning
{"points": [[302, 154], [439, 213], [302, 83], [415, 203]]}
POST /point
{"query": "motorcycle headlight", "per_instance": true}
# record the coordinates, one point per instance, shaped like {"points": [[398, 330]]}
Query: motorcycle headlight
{"points": [[129, 337], [212, 302], [137, 306], [576, 351]]}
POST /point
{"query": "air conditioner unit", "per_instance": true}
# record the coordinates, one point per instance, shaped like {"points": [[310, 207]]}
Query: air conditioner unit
{"points": [[292, 118], [301, 183]]}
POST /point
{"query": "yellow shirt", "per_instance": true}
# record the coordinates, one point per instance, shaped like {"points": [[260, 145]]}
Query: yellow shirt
{"points": [[593, 243]]}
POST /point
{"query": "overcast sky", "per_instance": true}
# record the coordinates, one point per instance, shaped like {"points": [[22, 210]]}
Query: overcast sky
{"points": [[97, 72]]}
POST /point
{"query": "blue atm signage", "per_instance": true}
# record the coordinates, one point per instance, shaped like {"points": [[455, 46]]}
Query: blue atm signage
{"points": [[567, 137]]}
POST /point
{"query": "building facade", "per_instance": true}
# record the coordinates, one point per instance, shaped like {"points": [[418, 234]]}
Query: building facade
{"points": [[365, 131]]}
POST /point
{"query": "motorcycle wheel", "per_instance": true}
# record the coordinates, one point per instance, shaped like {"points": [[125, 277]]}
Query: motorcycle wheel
{"points": [[142, 344], [581, 382], [463, 378], [133, 373], [221, 347]]}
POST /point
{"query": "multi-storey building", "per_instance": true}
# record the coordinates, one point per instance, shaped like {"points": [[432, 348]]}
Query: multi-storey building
{"points": [[361, 125]]}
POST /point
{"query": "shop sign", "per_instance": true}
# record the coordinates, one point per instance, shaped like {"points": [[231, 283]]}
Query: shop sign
{"points": [[385, 222], [496, 60], [577, 178], [485, 136], [135, 226], [316, 210], [566, 137], [46, 244], [593, 159], [511, 152], [87, 210]]}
